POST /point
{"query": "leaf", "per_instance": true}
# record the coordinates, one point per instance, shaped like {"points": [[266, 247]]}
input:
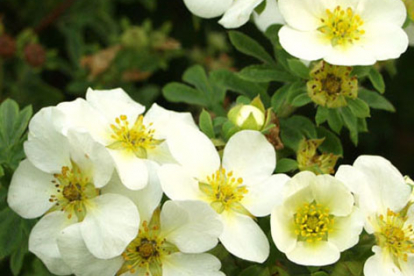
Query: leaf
{"points": [[17, 257], [304, 125], [361, 71], [301, 100], [249, 46], [265, 73], [350, 268], [298, 68], [375, 100], [1, 171], [196, 76], [286, 165], [279, 99], [331, 144], [295, 90], [359, 108], [206, 124], [351, 123], [290, 135], [377, 80], [321, 116], [11, 234], [255, 270], [176, 92], [335, 121], [281, 55]]}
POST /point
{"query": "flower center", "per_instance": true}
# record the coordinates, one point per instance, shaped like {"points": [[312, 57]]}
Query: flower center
{"points": [[313, 222], [73, 190], [342, 27], [225, 192], [395, 236], [137, 138], [145, 253]]}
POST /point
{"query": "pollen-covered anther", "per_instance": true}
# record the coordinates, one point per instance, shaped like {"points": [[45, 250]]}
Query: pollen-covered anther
{"points": [[137, 138], [313, 222], [342, 26]]}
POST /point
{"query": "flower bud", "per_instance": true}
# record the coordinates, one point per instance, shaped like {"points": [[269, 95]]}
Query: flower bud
{"points": [[35, 54], [309, 159], [7, 46], [247, 117]]}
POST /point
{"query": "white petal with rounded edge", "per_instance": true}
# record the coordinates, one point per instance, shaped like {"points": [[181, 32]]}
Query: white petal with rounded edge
{"points": [[47, 148], [91, 157], [315, 254], [385, 41], [132, 170], [147, 199], [179, 264], [283, 229], [381, 265], [111, 223], [239, 13], [208, 8], [81, 261], [350, 56], [317, 45], [389, 12], [30, 190], [193, 226], [261, 198], [250, 156], [346, 230], [43, 241], [243, 238], [298, 182], [178, 184], [114, 103], [332, 193], [270, 16], [194, 150]]}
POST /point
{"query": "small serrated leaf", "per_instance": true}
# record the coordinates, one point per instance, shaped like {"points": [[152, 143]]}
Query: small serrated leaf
{"points": [[206, 124], [377, 80]]}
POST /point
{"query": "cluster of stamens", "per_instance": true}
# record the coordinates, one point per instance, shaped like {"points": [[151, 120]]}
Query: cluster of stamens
{"points": [[137, 138], [73, 189], [342, 27], [395, 235], [313, 222], [224, 191]]}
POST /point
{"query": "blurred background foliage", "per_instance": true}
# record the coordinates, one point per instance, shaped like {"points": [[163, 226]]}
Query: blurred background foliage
{"points": [[53, 50]]}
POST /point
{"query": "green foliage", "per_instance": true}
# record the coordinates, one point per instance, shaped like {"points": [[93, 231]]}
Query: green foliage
{"points": [[377, 80]]}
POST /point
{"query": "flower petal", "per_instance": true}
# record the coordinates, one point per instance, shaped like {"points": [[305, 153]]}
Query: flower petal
{"points": [[81, 261], [193, 226], [43, 241], [270, 16], [389, 12], [47, 148], [346, 230], [239, 13], [179, 264], [261, 198], [283, 229], [317, 45], [315, 254], [132, 170], [113, 103], [111, 223], [30, 190], [350, 56], [208, 8], [146, 199], [194, 151], [250, 156], [332, 194], [381, 265], [178, 184], [243, 238]]}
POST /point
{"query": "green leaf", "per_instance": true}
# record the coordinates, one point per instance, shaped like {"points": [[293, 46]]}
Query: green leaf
{"points": [[196, 76], [331, 144], [359, 108], [17, 257], [249, 46], [255, 270], [281, 55], [375, 100], [291, 136], [351, 123], [295, 90], [321, 116], [265, 73], [301, 100], [335, 121], [361, 71], [11, 234], [350, 268], [286, 165], [279, 99], [1, 171], [298, 68], [304, 125], [177, 92], [377, 80], [229, 129], [206, 124]]}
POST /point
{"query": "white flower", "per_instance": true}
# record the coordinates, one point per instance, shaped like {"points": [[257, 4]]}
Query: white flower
{"points": [[344, 32], [316, 221], [171, 242], [235, 12], [270, 15], [238, 188], [63, 179], [116, 121], [382, 195]]}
